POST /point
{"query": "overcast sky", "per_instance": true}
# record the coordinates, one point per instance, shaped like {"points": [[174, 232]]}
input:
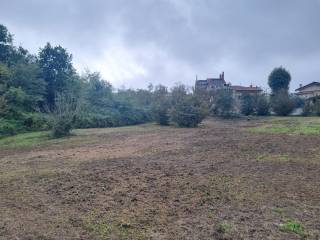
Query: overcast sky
{"points": [[136, 42]]}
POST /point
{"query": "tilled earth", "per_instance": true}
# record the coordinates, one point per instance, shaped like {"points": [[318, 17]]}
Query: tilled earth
{"points": [[218, 181]]}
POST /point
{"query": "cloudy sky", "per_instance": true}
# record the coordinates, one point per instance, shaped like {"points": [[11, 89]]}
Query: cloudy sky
{"points": [[136, 42]]}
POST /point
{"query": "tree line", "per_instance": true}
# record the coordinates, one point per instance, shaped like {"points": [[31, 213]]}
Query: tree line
{"points": [[225, 103], [44, 91]]}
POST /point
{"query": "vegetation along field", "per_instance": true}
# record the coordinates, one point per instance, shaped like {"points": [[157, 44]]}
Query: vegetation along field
{"points": [[230, 179]]}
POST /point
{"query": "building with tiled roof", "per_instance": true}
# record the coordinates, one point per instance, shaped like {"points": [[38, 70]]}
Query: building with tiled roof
{"points": [[308, 91], [211, 83]]}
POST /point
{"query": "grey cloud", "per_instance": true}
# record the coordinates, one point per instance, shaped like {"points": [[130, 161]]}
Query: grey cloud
{"points": [[172, 40]]}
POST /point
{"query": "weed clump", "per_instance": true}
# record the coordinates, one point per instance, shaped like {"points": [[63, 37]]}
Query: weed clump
{"points": [[292, 226], [224, 227]]}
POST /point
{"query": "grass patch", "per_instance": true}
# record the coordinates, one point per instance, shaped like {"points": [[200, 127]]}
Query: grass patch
{"points": [[134, 128], [273, 157], [289, 125], [236, 190], [24, 139], [282, 129], [32, 139], [104, 228], [224, 227], [292, 226]]}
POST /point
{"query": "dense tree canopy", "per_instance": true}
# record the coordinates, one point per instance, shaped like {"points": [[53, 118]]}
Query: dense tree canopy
{"points": [[161, 105], [5, 44], [281, 103], [186, 110], [30, 84], [248, 104], [44, 91], [57, 70], [223, 104], [279, 79]]}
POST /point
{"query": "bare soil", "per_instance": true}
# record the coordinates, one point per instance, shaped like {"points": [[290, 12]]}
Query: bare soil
{"points": [[153, 182]]}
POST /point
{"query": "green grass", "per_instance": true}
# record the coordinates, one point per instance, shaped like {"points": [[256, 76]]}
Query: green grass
{"points": [[273, 157], [133, 128], [100, 228], [289, 125], [104, 228], [224, 227], [24, 140], [292, 226], [32, 139]]}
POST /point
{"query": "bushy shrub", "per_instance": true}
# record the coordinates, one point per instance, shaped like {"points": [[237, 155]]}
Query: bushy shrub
{"points": [[161, 105], [8, 128], [186, 116], [132, 116], [26, 122], [111, 117], [297, 101], [262, 106], [37, 121], [316, 107], [281, 104], [307, 109], [61, 127], [94, 120], [63, 115], [223, 105], [15, 99], [248, 104], [187, 112], [186, 109], [125, 113], [161, 114]]}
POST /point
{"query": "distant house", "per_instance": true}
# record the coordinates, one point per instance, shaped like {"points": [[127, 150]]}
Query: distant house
{"points": [[219, 83], [238, 91], [211, 83], [309, 91]]}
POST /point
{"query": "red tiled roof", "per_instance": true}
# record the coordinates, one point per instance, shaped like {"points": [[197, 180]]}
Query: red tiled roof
{"points": [[308, 85], [242, 88]]}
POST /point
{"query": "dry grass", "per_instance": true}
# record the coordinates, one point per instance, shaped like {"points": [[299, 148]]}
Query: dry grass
{"points": [[219, 181]]}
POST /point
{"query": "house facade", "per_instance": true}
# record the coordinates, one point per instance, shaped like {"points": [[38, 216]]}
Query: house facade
{"points": [[212, 84], [309, 91], [238, 91]]}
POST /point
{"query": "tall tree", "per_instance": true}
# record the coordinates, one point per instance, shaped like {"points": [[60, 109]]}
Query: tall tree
{"points": [[4, 75], [279, 79], [28, 78], [281, 103], [247, 104], [6, 47], [99, 92], [57, 70], [161, 105], [4, 79]]}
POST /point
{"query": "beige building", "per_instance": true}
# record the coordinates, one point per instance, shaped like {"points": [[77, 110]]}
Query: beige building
{"points": [[211, 83], [308, 91], [238, 91]]}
